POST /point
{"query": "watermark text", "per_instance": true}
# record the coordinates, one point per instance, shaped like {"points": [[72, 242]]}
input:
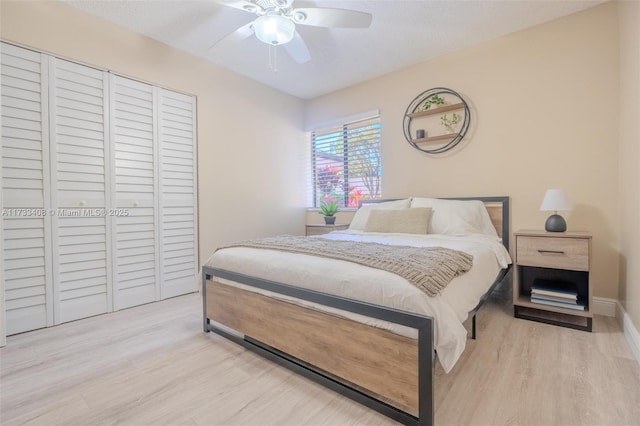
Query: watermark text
{"points": [[62, 212]]}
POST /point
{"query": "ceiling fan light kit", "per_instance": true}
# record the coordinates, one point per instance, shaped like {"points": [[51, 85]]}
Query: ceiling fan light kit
{"points": [[274, 29]]}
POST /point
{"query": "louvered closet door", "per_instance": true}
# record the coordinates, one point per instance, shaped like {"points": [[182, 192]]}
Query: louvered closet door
{"points": [[178, 207], [136, 271], [25, 191], [78, 113]]}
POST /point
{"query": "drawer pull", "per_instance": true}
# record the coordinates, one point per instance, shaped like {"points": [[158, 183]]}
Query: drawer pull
{"points": [[550, 251]]}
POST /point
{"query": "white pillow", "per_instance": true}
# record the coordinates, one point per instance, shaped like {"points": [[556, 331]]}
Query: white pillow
{"points": [[405, 221], [359, 221], [457, 217]]}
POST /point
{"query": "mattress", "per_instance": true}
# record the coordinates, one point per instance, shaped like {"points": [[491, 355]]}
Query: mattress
{"points": [[449, 309]]}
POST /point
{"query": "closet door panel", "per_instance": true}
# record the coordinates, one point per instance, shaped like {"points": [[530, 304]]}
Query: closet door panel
{"points": [[23, 156], [80, 134], [25, 190], [135, 234], [80, 152], [82, 283], [27, 281], [178, 204]]}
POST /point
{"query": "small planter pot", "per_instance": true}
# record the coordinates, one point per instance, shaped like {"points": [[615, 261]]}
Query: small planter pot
{"points": [[329, 220]]}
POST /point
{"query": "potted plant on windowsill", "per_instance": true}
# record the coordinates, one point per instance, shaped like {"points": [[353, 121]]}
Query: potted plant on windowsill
{"points": [[329, 209]]}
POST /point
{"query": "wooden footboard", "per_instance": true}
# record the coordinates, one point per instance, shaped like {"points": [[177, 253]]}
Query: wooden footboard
{"points": [[338, 346], [386, 371]]}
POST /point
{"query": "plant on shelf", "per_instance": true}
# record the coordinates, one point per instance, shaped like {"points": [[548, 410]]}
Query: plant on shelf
{"points": [[449, 123], [433, 100], [329, 208]]}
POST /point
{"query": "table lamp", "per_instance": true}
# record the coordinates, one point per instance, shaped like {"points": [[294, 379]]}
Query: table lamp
{"points": [[555, 200]]}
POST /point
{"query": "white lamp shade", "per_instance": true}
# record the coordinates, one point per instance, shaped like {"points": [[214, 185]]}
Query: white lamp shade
{"points": [[274, 29], [555, 200]]}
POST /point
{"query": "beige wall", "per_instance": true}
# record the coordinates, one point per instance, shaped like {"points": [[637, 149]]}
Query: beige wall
{"points": [[629, 15], [248, 135], [545, 115]]}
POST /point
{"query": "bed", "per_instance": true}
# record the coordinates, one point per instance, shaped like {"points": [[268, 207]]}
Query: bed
{"points": [[364, 332]]}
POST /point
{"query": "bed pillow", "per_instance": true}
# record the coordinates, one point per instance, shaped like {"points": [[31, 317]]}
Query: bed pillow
{"points": [[457, 217], [359, 221], [406, 221]]}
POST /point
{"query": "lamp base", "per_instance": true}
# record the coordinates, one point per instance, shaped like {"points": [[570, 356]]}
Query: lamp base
{"points": [[555, 223]]}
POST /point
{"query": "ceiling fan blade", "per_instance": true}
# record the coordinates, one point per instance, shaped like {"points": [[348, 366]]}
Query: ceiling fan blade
{"points": [[247, 6], [236, 36], [297, 49], [328, 17]]}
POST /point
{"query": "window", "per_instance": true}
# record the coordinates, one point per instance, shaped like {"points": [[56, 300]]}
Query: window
{"points": [[345, 162]]}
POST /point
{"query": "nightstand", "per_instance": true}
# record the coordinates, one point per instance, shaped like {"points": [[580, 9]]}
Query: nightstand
{"points": [[321, 228], [556, 266]]}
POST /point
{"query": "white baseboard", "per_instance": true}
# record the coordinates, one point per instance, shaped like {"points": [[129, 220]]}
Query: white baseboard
{"points": [[604, 306], [630, 331]]}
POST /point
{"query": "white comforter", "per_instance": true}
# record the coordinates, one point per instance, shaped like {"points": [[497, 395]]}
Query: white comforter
{"points": [[450, 309]]}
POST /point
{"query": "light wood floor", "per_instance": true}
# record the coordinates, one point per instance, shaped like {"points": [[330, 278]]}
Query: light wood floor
{"points": [[154, 365]]}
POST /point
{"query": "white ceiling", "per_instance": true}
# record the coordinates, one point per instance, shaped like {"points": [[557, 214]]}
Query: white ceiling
{"points": [[402, 33]]}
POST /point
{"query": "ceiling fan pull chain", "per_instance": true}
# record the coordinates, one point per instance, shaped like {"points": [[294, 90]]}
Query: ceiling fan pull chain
{"points": [[273, 58]]}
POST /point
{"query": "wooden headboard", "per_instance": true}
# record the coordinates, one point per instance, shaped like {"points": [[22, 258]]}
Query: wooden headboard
{"points": [[498, 208]]}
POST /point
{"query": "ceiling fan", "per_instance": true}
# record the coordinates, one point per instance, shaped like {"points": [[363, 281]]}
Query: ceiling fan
{"points": [[277, 20]]}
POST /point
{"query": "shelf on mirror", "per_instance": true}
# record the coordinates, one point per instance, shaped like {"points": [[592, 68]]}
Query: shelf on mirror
{"points": [[448, 136], [438, 110]]}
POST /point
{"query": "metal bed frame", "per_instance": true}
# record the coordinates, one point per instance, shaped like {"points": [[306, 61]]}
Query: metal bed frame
{"points": [[422, 323]]}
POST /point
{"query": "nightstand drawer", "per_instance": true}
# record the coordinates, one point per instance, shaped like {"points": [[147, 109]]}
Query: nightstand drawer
{"points": [[321, 229], [551, 252]]}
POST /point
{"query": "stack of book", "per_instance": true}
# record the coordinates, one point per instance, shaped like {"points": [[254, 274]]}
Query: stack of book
{"points": [[558, 294]]}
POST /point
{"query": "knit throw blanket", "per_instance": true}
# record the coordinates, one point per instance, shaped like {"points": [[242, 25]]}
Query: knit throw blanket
{"points": [[428, 268]]}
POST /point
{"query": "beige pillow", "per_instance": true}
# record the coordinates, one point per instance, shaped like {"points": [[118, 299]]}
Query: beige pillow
{"points": [[359, 220], [406, 221]]}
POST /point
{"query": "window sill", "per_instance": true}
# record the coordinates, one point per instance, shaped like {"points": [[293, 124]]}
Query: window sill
{"points": [[342, 209]]}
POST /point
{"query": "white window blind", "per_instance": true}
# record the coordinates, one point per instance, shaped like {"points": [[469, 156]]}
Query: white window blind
{"points": [[346, 163]]}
